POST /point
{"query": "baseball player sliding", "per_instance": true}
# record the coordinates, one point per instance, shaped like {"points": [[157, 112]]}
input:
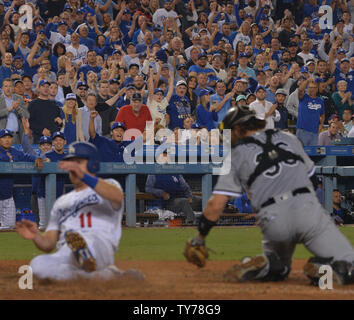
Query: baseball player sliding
{"points": [[273, 168], [85, 224]]}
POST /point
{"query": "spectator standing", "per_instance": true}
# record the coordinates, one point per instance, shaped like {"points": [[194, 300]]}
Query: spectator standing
{"points": [[311, 114], [222, 101], [86, 110], [280, 97], [206, 114], [135, 115], [44, 114], [342, 98], [265, 109], [12, 111], [72, 120]]}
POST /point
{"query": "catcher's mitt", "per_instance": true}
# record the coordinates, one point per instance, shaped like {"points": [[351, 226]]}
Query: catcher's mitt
{"points": [[196, 252]]}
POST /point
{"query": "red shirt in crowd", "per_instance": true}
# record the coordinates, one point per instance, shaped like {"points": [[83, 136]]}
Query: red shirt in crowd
{"points": [[131, 121]]}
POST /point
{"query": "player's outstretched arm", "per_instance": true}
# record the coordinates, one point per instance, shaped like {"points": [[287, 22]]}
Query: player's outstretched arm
{"points": [[28, 230]]}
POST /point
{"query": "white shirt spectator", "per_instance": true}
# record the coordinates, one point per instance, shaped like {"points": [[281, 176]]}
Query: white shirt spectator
{"points": [[305, 57], [351, 133], [261, 110], [85, 112], [80, 54], [240, 37], [162, 14], [158, 110], [57, 37]]}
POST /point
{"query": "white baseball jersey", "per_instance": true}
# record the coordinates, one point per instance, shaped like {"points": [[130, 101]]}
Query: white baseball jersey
{"points": [[57, 37], [80, 54], [87, 212]]}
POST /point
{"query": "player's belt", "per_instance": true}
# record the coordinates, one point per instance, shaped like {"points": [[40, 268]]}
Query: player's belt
{"points": [[271, 201]]}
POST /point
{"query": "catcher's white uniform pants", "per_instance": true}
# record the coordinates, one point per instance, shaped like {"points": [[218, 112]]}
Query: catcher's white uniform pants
{"points": [[62, 264], [8, 213], [41, 213]]}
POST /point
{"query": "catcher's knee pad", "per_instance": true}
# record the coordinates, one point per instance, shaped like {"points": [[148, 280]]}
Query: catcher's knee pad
{"points": [[278, 270], [343, 272]]}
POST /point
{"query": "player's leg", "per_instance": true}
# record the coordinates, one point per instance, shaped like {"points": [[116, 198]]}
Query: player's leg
{"points": [[182, 205], [9, 213], [56, 266], [42, 213], [278, 248], [329, 245]]}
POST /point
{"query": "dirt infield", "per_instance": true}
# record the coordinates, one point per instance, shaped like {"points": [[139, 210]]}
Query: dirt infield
{"points": [[168, 280]]}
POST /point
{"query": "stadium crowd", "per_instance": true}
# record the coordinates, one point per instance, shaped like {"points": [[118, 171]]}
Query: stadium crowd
{"points": [[181, 64]]}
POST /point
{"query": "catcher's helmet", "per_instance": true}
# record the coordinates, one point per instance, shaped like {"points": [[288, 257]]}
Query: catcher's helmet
{"points": [[236, 115], [87, 151]]}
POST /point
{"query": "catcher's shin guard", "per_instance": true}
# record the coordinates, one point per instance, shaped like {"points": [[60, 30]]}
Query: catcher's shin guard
{"points": [[81, 252], [343, 271], [248, 269]]}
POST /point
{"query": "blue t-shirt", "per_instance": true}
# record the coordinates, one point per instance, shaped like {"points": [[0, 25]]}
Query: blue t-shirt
{"points": [[222, 112], [109, 150], [310, 110], [86, 68], [70, 130], [5, 72], [198, 70], [178, 109], [206, 118]]}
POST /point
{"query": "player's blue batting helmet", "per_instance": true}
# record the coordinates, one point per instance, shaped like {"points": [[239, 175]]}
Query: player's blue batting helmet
{"points": [[87, 151]]}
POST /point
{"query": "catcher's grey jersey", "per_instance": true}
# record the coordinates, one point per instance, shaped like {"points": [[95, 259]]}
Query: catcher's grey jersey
{"points": [[286, 176]]}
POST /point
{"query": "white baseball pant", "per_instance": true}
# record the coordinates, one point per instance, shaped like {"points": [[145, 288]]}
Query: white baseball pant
{"points": [[8, 213], [62, 264]]}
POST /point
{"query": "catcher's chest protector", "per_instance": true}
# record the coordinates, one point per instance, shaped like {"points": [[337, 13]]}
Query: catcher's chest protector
{"points": [[271, 156]]}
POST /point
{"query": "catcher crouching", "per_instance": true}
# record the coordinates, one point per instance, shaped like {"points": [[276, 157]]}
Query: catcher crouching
{"points": [[274, 169]]}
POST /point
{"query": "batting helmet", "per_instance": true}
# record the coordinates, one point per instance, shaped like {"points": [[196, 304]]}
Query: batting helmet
{"points": [[236, 115], [87, 151]]}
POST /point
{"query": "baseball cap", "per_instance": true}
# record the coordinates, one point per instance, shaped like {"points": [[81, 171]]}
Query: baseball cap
{"points": [[284, 65], [164, 66], [133, 64], [264, 17], [304, 70], [240, 97], [131, 87], [39, 23], [17, 57], [232, 64], [213, 78], [181, 65], [203, 30], [309, 62], [156, 27], [340, 20], [181, 82], [45, 139], [201, 55], [292, 44], [18, 81], [266, 68], [250, 94], [345, 60], [248, 15], [203, 92], [61, 22], [261, 88], [259, 71], [82, 84], [80, 11], [243, 55], [195, 126], [126, 11], [1, 2], [116, 51], [118, 125], [67, 6], [58, 134], [334, 116], [320, 80], [41, 31], [142, 54], [44, 82], [341, 50], [70, 96], [6, 132], [157, 90], [137, 96], [281, 91], [130, 44], [114, 80]]}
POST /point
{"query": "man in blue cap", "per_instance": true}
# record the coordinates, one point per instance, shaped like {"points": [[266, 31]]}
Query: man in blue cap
{"points": [[11, 154], [243, 68], [57, 154], [57, 33], [201, 66], [110, 150]]}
